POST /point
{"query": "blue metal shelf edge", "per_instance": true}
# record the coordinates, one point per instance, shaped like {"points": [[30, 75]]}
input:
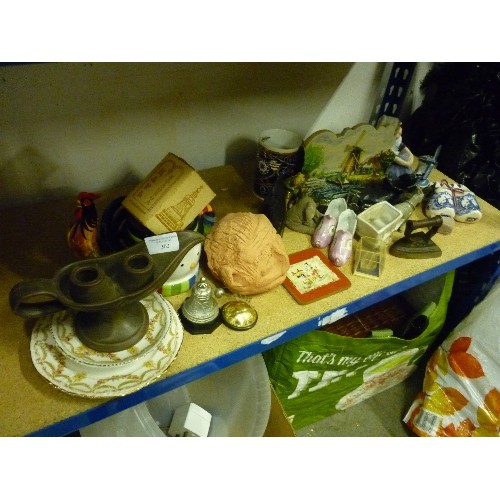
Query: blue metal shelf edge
{"points": [[76, 422]]}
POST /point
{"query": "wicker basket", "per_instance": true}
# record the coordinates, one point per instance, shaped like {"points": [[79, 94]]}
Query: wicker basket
{"points": [[392, 313]]}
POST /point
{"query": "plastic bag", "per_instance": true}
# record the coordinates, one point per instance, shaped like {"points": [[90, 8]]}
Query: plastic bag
{"points": [[461, 388], [321, 373]]}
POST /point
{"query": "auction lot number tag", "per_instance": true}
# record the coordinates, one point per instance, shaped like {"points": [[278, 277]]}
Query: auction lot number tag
{"points": [[162, 243]]}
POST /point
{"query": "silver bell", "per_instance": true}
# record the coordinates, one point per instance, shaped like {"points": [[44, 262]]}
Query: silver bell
{"points": [[200, 312]]}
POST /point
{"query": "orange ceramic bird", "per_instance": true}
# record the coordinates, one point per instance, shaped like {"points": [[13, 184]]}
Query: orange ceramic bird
{"points": [[82, 235]]}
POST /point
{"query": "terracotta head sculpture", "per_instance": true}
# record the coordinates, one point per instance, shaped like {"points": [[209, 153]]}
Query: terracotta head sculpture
{"points": [[245, 252]]}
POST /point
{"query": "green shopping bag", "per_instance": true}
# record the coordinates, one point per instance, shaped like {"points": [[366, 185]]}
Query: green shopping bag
{"points": [[321, 373]]}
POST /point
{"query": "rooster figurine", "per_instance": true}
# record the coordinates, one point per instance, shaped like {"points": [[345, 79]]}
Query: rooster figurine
{"points": [[82, 235]]}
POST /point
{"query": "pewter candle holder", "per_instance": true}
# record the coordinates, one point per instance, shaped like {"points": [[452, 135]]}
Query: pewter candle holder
{"points": [[104, 293]]}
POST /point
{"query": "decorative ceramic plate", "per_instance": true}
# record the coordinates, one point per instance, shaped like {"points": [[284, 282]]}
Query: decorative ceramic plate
{"points": [[103, 381], [63, 330]]}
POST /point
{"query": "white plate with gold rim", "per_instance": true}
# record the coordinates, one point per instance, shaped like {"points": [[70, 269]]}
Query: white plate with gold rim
{"points": [[63, 330], [102, 381]]}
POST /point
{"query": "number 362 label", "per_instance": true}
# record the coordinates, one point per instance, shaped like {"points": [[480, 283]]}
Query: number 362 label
{"points": [[162, 243]]}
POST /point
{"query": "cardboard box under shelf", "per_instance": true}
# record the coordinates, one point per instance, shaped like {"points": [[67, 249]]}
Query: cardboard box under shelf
{"points": [[278, 424], [170, 197]]}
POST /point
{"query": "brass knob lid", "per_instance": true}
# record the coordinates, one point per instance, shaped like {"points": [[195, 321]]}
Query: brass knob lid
{"points": [[238, 315]]}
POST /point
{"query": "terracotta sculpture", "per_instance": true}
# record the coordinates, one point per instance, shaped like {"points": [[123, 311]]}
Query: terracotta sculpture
{"points": [[245, 252]]}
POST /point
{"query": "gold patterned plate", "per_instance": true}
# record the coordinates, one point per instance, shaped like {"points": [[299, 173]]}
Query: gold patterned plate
{"points": [[103, 381], [63, 331]]}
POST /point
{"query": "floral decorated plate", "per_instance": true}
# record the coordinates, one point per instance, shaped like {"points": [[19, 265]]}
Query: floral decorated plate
{"points": [[91, 381], [63, 330]]}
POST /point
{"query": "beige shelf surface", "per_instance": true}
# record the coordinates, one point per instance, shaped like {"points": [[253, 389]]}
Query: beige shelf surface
{"points": [[34, 246]]}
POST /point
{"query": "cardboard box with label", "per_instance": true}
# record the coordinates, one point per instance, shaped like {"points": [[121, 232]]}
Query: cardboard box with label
{"points": [[170, 197]]}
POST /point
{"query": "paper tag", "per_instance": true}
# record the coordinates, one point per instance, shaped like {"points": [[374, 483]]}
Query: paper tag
{"points": [[163, 243], [428, 422]]}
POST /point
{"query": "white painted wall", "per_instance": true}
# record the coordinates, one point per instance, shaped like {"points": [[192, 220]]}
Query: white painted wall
{"points": [[68, 127]]}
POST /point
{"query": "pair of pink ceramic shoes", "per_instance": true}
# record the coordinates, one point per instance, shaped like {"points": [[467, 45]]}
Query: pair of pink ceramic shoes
{"points": [[336, 230]]}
